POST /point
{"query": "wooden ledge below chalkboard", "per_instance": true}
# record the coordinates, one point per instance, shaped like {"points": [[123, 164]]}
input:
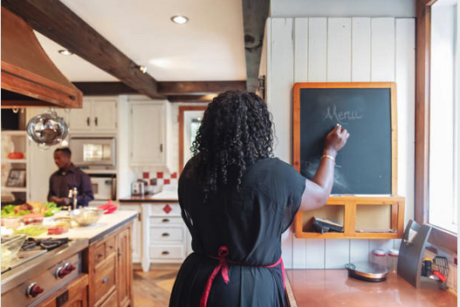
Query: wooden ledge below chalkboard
{"points": [[383, 215]]}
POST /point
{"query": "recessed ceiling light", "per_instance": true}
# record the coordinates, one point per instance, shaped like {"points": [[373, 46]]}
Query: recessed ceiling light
{"points": [[179, 19], [65, 52]]}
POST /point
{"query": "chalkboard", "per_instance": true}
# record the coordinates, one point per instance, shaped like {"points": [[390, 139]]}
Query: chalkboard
{"points": [[367, 164]]}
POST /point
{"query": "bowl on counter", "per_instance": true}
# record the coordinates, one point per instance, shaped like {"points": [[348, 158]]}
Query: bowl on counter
{"points": [[10, 248], [86, 216], [12, 222]]}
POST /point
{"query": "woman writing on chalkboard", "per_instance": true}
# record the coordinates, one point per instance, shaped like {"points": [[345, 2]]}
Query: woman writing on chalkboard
{"points": [[237, 201]]}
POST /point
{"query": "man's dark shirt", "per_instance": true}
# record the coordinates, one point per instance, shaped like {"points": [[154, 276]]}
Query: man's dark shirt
{"points": [[61, 182]]}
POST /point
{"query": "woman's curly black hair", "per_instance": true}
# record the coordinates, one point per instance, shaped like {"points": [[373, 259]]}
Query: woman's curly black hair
{"points": [[236, 129]]}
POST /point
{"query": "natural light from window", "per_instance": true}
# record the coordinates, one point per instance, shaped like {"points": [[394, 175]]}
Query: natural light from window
{"points": [[444, 117]]}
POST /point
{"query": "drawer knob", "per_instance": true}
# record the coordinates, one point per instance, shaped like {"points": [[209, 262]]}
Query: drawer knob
{"points": [[105, 279], [165, 234], [165, 253], [165, 221]]}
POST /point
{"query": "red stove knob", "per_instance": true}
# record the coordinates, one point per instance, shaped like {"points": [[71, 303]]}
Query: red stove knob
{"points": [[33, 290], [61, 273], [70, 267]]}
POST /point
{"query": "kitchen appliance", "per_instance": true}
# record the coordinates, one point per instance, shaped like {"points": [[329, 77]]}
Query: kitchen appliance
{"points": [[41, 268], [137, 188], [93, 151], [104, 187], [367, 271]]}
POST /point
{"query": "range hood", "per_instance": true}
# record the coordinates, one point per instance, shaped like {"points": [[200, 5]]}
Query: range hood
{"points": [[29, 77]]}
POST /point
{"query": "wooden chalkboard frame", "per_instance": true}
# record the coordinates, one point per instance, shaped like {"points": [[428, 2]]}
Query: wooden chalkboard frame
{"points": [[350, 202], [394, 124]]}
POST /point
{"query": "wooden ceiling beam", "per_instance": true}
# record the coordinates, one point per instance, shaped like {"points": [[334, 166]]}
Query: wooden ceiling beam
{"points": [[104, 88], [199, 87], [56, 21], [190, 98], [255, 13]]}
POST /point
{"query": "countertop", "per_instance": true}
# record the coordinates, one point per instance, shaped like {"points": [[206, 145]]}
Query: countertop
{"points": [[162, 197], [334, 288], [105, 225]]}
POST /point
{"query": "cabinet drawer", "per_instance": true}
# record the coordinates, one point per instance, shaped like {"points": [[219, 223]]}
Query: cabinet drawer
{"points": [[165, 209], [99, 253], [111, 301], [104, 249], [110, 246], [166, 234], [167, 251], [104, 278], [166, 220]]}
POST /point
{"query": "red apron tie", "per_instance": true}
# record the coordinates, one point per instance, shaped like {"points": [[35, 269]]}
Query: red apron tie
{"points": [[223, 268]]}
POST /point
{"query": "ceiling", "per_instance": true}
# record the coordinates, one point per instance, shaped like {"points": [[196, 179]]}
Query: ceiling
{"points": [[209, 47]]}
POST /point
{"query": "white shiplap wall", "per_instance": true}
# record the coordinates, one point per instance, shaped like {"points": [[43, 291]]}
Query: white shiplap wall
{"points": [[341, 50]]}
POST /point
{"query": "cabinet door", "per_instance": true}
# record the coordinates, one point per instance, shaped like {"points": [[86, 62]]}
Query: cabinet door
{"points": [[111, 301], [124, 267], [136, 234], [80, 119], [104, 115], [147, 134]]}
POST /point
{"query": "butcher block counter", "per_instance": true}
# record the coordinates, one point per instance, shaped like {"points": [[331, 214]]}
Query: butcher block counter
{"points": [[334, 288]]}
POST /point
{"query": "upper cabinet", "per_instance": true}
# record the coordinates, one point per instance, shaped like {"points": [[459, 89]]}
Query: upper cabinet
{"points": [[148, 132], [97, 115]]}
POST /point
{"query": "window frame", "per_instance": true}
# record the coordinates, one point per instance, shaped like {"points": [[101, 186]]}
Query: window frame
{"points": [[439, 237]]}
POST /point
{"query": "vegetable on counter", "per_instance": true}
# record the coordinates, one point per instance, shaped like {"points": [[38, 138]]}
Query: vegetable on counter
{"points": [[48, 209], [32, 231]]}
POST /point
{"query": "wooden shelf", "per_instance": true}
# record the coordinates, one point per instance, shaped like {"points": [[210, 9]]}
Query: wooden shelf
{"points": [[8, 189], [345, 211], [14, 161], [14, 132]]}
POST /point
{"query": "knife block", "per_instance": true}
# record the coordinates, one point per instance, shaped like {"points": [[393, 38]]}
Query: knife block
{"points": [[411, 254]]}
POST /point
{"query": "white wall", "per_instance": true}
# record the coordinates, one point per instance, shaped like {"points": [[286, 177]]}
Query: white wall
{"points": [[342, 8], [341, 49]]}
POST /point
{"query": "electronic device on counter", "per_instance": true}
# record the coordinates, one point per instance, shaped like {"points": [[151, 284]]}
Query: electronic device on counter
{"points": [[138, 188]]}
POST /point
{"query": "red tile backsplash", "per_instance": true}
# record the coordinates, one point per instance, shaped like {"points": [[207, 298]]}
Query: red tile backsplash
{"points": [[167, 181], [145, 175], [174, 175], [159, 175]]}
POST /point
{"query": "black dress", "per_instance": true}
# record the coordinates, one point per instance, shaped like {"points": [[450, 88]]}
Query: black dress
{"points": [[249, 223]]}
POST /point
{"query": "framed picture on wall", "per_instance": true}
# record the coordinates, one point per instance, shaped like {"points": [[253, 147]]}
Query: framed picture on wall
{"points": [[16, 178]]}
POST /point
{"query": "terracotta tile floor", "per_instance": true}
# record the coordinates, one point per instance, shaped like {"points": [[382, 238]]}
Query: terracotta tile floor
{"points": [[153, 288]]}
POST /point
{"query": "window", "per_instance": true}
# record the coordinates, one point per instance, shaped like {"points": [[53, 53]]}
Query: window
{"points": [[444, 118], [437, 120]]}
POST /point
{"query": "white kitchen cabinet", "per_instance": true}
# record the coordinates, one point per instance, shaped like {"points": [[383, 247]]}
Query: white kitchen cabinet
{"points": [[136, 234], [148, 130], [165, 236], [80, 119], [99, 114], [104, 114]]}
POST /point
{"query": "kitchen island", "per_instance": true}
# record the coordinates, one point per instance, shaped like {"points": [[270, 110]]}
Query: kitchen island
{"points": [[93, 269]]}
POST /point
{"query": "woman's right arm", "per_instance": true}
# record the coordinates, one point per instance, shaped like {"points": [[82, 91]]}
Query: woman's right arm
{"points": [[318, 190]]}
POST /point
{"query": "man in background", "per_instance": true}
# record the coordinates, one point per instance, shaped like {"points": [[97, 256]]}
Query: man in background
{"points": [[66, 178]]}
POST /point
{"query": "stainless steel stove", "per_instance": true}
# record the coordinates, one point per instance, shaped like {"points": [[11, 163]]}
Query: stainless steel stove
{"points": [[40, 270]]}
